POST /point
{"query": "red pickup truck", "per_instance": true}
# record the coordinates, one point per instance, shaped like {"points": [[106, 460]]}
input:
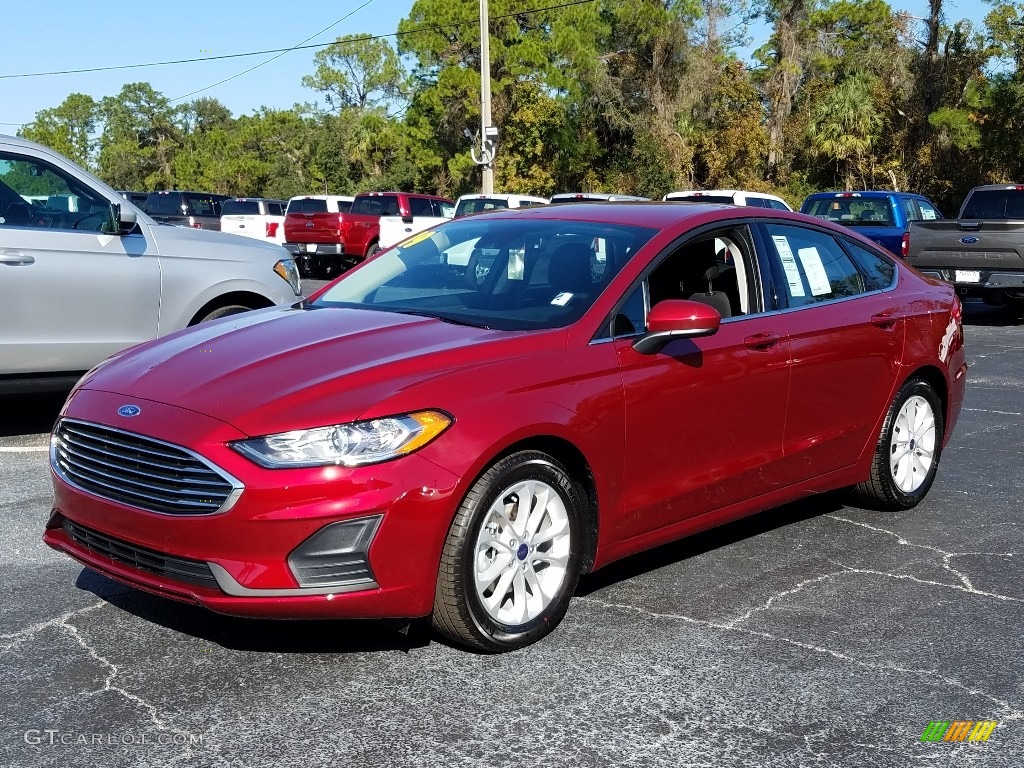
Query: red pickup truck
{"points": [[326, 242]]}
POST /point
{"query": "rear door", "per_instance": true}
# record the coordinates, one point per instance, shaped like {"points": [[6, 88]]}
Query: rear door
{"points": [[846, 336], [70, 295]]}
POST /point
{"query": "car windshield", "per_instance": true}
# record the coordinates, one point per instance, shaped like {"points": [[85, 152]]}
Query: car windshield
{"points": [[853, 211], [509, 274]]}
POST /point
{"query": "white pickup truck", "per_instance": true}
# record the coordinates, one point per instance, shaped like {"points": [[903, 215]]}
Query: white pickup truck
{"points": [[255, 217], [424, 212]]}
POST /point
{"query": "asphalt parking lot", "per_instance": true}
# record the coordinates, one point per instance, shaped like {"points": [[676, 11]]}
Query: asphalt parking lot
{"points": [[810, 635]]}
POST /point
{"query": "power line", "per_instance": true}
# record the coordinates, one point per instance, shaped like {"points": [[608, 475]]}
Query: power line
{"points": [[418, 30], [278, 56]]}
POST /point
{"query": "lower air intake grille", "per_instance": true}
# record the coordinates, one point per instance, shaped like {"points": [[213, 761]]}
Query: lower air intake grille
{"points": [[174, 568]]}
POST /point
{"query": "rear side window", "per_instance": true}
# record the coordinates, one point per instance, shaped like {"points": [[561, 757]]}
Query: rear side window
{"points": [[479, 204], [307, 205], [995, 204], [420, 206], [240, 208], [928, 211], [778, 206], [376, 205], [344, 206], [757, 202], [811, 266], [878, 270], [275, 208]]}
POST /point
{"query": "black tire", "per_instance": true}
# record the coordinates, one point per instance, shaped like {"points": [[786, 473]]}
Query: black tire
{"points": [[306, 265], [459, 613], [230, 309], [881, 491]]}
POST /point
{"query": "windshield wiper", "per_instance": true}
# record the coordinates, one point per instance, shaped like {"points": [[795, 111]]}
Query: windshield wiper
{"points": [[442, 318]]}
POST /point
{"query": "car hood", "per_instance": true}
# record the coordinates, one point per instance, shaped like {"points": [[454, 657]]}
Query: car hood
{"points": [[280, 369], [172, 240]]}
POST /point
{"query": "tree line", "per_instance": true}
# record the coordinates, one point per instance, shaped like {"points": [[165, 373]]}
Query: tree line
{"points": [[629, 96]]}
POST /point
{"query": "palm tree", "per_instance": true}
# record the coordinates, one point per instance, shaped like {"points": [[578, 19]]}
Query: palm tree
{"points": [[845, 125]]}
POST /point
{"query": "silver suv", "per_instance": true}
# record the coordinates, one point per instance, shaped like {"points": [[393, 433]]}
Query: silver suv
{"points": [[84, 273]]}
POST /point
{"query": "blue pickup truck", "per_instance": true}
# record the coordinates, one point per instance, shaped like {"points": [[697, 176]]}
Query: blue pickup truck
{"points": [[878, 215]]}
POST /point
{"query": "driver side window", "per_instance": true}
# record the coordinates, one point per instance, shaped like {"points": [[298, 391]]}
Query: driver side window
{"points": [[36, 195]]}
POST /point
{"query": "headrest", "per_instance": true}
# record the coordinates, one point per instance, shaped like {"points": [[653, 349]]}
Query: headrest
{"points": [[569, 270]]}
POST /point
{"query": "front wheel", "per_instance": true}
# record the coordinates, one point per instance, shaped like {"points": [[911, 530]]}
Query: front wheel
{"points": [[512, 557], [231, 309], [907, 455]]}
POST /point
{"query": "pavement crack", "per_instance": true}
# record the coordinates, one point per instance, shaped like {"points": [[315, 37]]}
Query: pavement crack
{"points": [[21, 636], [1007, 711], [946, 556], [799, 587]]}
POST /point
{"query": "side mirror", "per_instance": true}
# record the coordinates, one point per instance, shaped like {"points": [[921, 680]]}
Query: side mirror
{"points": [[676, 319], [122, 220]]}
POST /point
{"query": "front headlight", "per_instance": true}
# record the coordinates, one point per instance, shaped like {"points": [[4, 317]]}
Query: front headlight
{"points": [[288, 272], [350, 445]]}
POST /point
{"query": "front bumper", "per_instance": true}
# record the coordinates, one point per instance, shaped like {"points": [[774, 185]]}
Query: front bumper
{"points": [[244, 561]]}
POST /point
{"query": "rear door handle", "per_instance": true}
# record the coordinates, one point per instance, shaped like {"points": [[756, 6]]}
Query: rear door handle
{"points": [[885, 320], [16, 257], [761, 341]]}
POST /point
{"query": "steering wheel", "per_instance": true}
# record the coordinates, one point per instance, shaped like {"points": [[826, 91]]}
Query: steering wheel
{"points": [[94, 214]]}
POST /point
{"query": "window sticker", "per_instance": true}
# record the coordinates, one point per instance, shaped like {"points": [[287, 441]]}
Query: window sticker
{"points": [[817, 277], [561, 299], [516, 263], [928, 214], [796, 286]]}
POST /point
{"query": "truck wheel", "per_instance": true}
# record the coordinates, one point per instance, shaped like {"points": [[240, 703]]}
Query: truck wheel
{"points": [[372, 250]]}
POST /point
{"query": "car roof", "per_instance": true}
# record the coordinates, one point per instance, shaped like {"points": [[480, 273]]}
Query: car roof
{"points": [[643, 214], [499, 196], [861, 193], [321, 197]]}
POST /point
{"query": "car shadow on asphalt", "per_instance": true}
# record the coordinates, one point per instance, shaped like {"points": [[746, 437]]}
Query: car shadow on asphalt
{"points": [[333, 636], [711, 539], [365, 636], [977, 313], [30, 414]]}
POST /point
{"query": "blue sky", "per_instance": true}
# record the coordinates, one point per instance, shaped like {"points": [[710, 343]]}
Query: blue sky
{"points": [[71, 34]]}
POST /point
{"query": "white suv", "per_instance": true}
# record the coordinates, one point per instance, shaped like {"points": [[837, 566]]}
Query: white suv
{"points": [[254, 217], [729, 197], [79, 285], [478, 203]]}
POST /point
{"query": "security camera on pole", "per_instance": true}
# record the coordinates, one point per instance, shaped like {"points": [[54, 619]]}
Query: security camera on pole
{"points": [[488, 132]]}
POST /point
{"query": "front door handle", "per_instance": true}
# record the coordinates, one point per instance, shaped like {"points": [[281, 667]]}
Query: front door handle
{"points": [[761, 341], [16, 257]]}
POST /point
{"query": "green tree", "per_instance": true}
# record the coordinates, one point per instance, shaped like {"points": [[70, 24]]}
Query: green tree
{"points": [[358, 73], [68, 128], [845, 127]]}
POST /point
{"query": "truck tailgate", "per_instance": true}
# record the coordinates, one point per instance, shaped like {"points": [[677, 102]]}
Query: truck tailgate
{"points": [[967, 245]]}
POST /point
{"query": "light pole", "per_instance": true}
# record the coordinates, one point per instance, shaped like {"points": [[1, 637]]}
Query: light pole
{"points": [[488, 133]]}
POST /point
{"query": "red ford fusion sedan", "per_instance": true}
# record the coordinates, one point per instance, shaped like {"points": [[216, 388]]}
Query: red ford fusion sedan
{"points": [[465, 424]]}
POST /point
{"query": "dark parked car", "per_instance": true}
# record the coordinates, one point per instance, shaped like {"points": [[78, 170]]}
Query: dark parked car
{"points": [[135, 198], [463, 441], [200, 210]]}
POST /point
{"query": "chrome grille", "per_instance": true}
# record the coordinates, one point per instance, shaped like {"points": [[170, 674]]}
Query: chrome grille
{"points": [[139, 471], [174, 568]]}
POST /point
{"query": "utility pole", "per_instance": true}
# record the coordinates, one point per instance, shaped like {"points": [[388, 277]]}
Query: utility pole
{"points": [[488, 133]]}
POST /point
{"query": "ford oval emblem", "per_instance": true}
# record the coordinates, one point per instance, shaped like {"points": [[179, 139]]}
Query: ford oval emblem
{"points": [[128, 411], [968, 240]]}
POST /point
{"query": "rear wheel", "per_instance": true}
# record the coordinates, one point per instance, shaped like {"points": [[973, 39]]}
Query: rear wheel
{"points": [[372, 250], [511, 561], [907, 455]]}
